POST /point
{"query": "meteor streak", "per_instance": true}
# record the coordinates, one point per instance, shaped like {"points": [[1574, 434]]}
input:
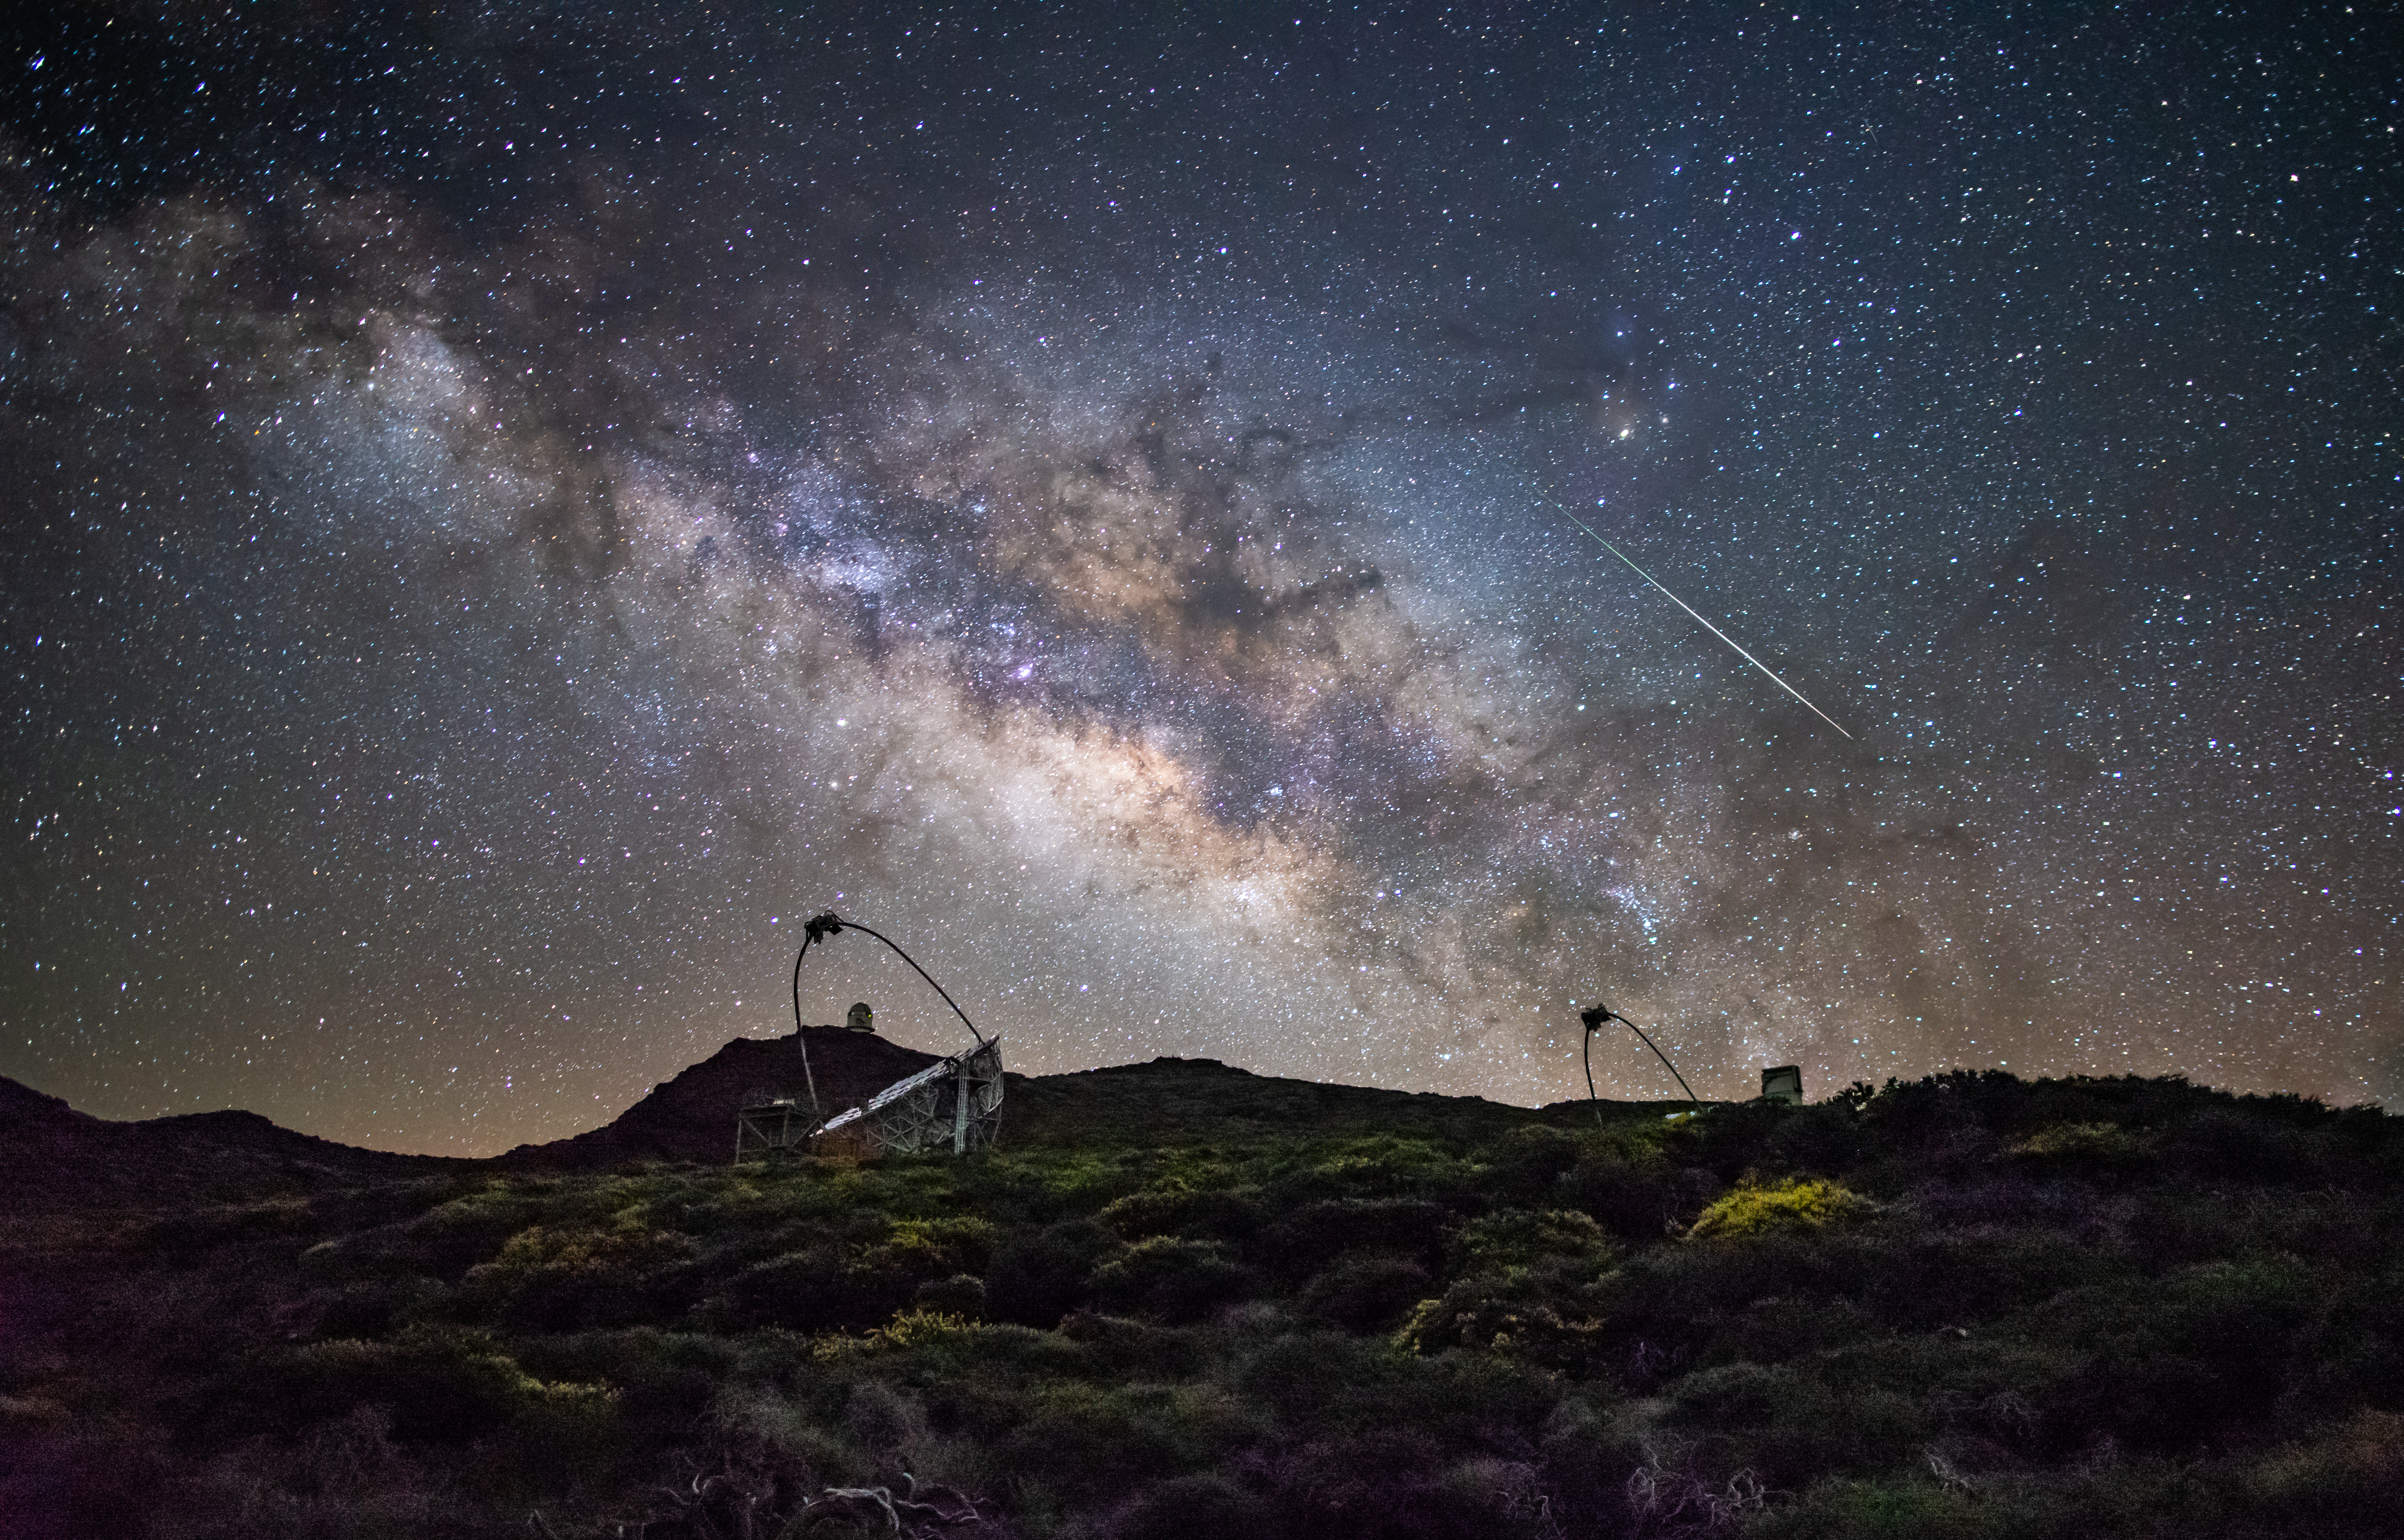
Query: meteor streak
{"points": [[1707, 625]]}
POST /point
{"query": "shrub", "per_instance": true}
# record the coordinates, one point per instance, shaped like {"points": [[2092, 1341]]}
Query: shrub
{"points": [[813, 1290], [1317, 1233], [919, 1328], [1396, 1483], [961, 1295], [1203, 1507], [2348, 1481], [1210, 1215], [440, 1386], [563, 1278], [1509, 1314], [1793, 1426], [1095, 1443], [1039, 1276], [1798, 1203], [1364, 1292], [2224, 1144], [931, 1248], [1382, 1165], [1640, 1198], [1521, 1238], [2176, 1362], [2082, 1143], [2352, 1356], [1522, 1169], [1168, 1280]]}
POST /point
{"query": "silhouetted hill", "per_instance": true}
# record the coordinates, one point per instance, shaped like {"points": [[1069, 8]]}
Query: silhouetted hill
{"points": [[66, 1158], [1170, 1100], [692, 1117], [53, 1157]]}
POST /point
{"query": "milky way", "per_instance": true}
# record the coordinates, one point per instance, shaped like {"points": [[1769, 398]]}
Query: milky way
{"points": [[511, 511]]}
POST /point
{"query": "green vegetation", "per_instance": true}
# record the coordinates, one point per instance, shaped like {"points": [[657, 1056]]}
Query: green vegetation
{"points": [[1970, 1306], [1795, 1204]]}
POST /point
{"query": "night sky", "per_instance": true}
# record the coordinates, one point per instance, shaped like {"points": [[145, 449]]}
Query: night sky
{"points": [[511, 509]]}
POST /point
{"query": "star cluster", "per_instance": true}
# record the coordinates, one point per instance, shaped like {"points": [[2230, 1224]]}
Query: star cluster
{"points": [[513, 511]]}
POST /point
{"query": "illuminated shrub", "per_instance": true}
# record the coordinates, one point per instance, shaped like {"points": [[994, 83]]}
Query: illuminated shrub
{"points": [[1529, 1286], [919, 1327], [2097, 1143], [918, 1249], [1382, 1165], [1797, 1204]]}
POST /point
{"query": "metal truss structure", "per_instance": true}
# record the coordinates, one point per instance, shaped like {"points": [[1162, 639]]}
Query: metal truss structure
{"points": [[955, 1102]]}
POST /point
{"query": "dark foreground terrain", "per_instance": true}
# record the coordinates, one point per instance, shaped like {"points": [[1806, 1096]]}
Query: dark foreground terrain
{"points": [[1186, 1301]]}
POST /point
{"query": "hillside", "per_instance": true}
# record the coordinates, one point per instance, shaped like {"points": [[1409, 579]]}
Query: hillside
{"points": [[1184, 1300], [53, 1157], [692, 1117]]}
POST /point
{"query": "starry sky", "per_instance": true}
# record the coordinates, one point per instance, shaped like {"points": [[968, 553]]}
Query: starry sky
{"points": [[512, 508]]}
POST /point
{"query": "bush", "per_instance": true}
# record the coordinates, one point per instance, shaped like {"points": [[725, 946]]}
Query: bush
{"points": [[1364, 1293], [1204, 1215], [2174, 1363], [1206, 1507], [961, 1295], [1094, 1444], [1514, 1238], [563, 1278], [1798, 1203], [2352, 1356], [1041, 1275], [1638, 1198], [2099, 1145], [1317, 1233], [1168, 1280], [813, 1290]]}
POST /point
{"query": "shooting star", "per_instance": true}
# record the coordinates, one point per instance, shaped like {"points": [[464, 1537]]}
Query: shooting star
{"points": [[1707, 625]]}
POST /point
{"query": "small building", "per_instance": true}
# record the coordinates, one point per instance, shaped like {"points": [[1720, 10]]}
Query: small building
{"points": [[1783, 1083]]}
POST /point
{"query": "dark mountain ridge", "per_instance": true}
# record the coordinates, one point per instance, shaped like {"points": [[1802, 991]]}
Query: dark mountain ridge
{"points": [[61, 1158], [55, 1158]]}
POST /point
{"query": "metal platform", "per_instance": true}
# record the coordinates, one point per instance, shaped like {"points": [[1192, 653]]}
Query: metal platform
{"points": [[772, 1130]]}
